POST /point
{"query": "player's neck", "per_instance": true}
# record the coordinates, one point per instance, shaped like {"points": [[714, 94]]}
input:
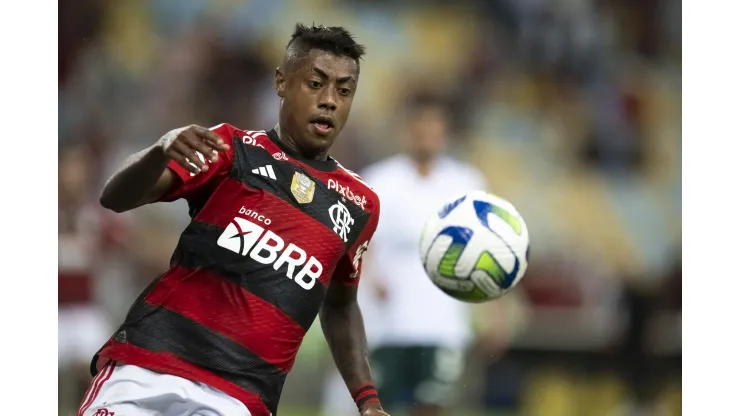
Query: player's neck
{"points": [[287, 140], [424, 165]]}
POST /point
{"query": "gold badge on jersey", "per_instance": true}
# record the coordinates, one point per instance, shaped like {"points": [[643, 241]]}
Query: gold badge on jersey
{"points": [[302, 188]]}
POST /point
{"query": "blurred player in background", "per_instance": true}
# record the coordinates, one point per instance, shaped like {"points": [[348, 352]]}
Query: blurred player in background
{"points": [[274, 241], [87, 233], [418, 352]]}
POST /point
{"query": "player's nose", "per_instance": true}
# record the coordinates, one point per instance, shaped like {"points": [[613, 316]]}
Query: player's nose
{"points": [[327, 100]]}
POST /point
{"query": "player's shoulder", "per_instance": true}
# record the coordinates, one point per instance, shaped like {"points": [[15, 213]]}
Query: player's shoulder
{"points": [[250, 137], [351, 185], [225, 130], [461, 168]]}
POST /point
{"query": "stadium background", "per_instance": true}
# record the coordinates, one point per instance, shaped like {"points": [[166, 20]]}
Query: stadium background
{"points": [[571, 109]]}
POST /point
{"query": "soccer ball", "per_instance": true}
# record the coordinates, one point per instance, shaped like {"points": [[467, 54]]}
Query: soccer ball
{"points": [[476, 247]]}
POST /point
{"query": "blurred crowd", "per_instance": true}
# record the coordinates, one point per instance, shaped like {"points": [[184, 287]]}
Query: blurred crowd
{"points": [[571, 109]]}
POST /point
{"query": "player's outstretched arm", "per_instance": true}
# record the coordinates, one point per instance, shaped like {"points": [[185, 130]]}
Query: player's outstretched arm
{"points": [[144, 177], [344, 329]]}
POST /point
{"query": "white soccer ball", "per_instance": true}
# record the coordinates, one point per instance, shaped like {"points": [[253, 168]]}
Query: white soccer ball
{"points": [[476, 247]]}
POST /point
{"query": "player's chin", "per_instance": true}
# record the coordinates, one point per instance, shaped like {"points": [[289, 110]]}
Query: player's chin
{"points": [[322, 138], [322, 131]]}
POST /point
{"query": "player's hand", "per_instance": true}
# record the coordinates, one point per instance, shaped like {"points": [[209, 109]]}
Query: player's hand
{"points": [[192, 146], [373, 409]]}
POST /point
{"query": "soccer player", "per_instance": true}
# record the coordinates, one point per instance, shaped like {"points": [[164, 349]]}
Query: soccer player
{"points": [[270, 246], [419, 354]]}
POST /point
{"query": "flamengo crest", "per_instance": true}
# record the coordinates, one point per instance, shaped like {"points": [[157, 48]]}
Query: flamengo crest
{"points": [[342, 219]]}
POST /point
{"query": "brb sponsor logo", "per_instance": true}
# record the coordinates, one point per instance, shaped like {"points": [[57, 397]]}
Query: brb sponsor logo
{"points": [[358, 199], [246, 237]]}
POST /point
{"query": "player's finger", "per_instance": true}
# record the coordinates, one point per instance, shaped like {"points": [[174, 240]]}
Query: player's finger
{"points": [[203, 143], [183, 161], [195, 142], [210, 137], [194, 152]]}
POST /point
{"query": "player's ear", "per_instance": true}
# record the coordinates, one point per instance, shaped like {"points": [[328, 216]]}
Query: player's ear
{"points": [[280, 82]]}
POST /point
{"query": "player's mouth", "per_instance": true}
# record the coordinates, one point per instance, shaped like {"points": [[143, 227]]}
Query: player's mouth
{"points": [[322, 125]]}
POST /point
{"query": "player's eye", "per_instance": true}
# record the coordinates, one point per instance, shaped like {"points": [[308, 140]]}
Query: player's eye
{"points": [[344, 91], [314, 84]]}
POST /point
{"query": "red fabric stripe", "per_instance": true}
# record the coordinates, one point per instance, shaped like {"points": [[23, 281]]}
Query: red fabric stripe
{"points": [[365, 394], [170, 364], [98, 385], [232, 311], [362, 386]]}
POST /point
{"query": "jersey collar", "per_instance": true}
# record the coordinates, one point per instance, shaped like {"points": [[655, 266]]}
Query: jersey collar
{"points": [[327, 165]]}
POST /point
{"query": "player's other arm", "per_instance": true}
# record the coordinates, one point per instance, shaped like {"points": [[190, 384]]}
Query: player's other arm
{"points": [[145, 178], [343, 326], [344, 329]]}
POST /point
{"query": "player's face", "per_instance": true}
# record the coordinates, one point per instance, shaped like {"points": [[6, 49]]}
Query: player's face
{"points": [[427, 132], [317, 94]]}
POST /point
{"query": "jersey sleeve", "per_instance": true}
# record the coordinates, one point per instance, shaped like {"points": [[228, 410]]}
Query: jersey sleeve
{"points": [[191, 185], [349, 269]]}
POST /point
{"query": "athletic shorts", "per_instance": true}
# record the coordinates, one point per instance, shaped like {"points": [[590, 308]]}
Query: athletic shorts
{"points": [[127, 390], [407, 375]]}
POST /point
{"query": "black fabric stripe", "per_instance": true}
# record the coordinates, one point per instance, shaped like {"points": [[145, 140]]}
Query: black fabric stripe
{"points": [[247, 158], [168, 332], [198, 249]]}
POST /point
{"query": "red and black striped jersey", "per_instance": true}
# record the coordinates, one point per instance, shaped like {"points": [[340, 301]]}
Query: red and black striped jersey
{"points": [[270, 231]]}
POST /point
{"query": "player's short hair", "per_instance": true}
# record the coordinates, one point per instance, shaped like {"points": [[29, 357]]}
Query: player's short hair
{"points": [[423, 100], [335, 39]]}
